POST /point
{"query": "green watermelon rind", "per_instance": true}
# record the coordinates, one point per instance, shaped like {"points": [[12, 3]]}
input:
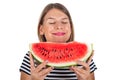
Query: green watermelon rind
{"points": [[66, 64]]}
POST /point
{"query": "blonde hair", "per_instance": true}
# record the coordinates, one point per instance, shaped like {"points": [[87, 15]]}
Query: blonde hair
{"points": [[44, 12]]}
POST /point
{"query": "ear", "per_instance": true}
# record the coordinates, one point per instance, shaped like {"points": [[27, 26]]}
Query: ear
{"points": [[41, 30]]}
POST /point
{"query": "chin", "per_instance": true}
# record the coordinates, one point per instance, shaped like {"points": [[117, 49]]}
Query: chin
{"points": [[59, 41]]}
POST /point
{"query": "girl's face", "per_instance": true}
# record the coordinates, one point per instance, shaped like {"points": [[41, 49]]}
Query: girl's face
{"points": [[56, 26]]}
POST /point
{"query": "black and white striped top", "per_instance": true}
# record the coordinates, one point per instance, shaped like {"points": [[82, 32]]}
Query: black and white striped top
{"points": [[56, 73]]}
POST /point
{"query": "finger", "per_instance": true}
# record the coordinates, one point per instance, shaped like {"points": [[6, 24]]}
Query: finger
{"points": [[31, 62], [90, 58], [41, 66], [46, 71], [84, 65], [78, 71], [81, 72]]}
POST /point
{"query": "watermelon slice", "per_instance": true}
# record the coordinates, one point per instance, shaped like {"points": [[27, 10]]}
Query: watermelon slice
{"points": [[61, 54]]}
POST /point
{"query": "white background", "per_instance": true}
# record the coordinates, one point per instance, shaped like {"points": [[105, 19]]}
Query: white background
{"points": [[95, 21]]}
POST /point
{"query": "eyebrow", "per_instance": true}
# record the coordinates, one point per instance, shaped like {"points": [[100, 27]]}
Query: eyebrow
{"points": [[50, 18], [64, 18], [54, 18]]}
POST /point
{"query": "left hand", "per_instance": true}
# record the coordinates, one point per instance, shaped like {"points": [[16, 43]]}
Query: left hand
{"points": [[84, 72]]}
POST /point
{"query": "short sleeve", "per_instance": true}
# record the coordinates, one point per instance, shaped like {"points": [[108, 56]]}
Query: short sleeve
{"points": [[25, 66], [92, 66]]}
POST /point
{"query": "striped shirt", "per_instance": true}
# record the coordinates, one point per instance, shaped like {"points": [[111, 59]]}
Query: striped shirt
{"points": [[56, 73]]}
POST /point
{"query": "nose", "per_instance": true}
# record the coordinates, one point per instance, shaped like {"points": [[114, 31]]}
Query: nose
{"points": [[59, 26]]}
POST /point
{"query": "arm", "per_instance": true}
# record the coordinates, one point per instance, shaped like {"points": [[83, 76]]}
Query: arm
{"points": [[24, 76], [92, 77]]}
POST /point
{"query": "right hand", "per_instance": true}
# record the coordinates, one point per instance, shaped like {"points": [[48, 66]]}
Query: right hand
{"points": [[39, 72]]}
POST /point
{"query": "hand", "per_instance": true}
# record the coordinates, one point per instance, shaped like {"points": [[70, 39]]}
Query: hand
{"points": [[39, 72], [84, 72]]}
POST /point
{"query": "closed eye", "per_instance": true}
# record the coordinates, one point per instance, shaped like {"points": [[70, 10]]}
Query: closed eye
{"points": [[51, 22], [64, 22]]}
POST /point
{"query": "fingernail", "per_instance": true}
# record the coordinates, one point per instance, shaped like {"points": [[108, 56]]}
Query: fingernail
{"points": [[46, 61], [78, 61], [73, 66], [52, 67]]}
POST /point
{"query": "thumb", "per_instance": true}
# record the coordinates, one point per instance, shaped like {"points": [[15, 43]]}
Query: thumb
{"points": [[90, 58]]}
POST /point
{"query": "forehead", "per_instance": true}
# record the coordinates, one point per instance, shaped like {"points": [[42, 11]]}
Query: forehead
{"points": [[55, 14]]}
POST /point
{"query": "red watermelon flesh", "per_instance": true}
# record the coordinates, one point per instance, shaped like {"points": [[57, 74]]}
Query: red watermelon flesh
{"points": [[61, 54]]}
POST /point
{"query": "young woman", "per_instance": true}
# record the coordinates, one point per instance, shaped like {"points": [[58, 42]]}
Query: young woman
{"points": [[55, 25]]}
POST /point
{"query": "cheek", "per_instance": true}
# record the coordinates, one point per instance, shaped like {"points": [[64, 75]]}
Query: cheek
{"points": [[68, 29], [69, 32], [49, 29]]}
